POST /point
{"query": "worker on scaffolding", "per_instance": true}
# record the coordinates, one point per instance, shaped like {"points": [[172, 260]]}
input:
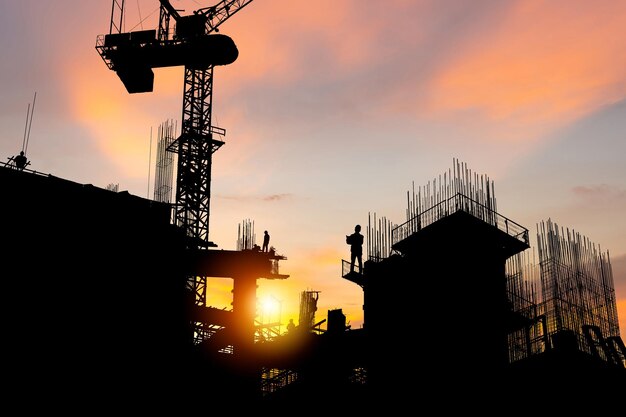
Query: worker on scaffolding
{"points": [[291, 326], [355, 240], [20, 161]]}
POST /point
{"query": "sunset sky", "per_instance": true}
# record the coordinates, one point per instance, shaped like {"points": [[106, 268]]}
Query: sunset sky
{"points": [[334, 108]]}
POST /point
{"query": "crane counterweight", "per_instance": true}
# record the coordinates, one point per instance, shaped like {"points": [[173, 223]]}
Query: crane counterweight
{"points": [[134, 55]]}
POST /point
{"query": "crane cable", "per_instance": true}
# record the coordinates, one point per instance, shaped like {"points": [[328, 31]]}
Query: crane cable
{"points": [[139, 11], [143, 19], [29, 123]]}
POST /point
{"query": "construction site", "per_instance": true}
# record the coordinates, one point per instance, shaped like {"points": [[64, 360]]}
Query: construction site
{"points": [[458, 300]]}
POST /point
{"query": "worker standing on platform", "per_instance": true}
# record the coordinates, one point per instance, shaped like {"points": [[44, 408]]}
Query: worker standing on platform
{"points": [[266, 241], [355, 240]]}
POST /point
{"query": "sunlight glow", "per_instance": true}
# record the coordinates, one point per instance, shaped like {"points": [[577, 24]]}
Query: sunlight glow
{"points": [[269, 306]]}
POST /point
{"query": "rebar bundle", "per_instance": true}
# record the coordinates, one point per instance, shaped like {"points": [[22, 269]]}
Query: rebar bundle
{"points": [[246, 239], [457, 180], [576, 282], [522, 275], [458, 189], [378, 237], [164, 170], [576, 297], [308, 307]]}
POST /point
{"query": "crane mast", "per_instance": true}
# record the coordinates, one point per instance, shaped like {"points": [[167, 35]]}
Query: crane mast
{"points": [[198, 139], [195, 44], [117, 15]]}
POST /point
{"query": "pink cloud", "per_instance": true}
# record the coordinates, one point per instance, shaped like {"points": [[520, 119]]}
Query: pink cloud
{"points": [[515, 70], [275, 37], [602, 194], [277, 197], [542, 65], [250, 198]]}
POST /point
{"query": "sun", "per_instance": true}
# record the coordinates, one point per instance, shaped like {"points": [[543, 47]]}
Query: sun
{"points": [[269, 306]]}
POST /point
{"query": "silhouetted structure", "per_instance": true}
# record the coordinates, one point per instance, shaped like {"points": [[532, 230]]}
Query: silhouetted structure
{"points": [[452, 308], [20, 161], [107, 299], [453, 244], [573, 318], [246, 238], [164, 170], [266, 241], [379, 237], [456, 248], [195, 45], [308, 307], [449, 306]]}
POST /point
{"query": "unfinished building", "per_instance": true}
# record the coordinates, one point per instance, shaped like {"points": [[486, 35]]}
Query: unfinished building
{"points": [[97, 302], [106, 292], [98, 291], [569, 298]]}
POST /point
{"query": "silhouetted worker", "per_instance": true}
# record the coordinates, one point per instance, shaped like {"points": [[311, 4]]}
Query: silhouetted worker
{"points": [[355, 240], [291, 326], [266, 241], [20, 160]]}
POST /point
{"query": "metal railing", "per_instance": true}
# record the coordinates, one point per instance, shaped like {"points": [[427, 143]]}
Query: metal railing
{"points": [[458, 202], [345, 267]]}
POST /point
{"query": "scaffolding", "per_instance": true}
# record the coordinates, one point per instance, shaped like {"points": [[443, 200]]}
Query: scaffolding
{"points": [[308, 307], [566, 292], [578, 294], [268, 329], [273, 379], [268, 321], [522, 279]]}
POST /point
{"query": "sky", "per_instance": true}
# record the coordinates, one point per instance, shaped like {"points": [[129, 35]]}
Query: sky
{"points": [[335, 108]]}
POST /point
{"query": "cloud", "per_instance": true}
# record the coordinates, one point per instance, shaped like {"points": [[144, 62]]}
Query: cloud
{"points": [[543, 52], [600, 194], [252, 198], [277, 197], [511, 71], [540, 66]]}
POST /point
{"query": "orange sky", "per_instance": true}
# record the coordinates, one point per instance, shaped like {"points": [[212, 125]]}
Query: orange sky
{"points": [[334, 108]]}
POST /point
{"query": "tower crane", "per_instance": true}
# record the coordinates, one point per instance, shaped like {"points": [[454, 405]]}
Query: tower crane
{"points": [[195, 44]]}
